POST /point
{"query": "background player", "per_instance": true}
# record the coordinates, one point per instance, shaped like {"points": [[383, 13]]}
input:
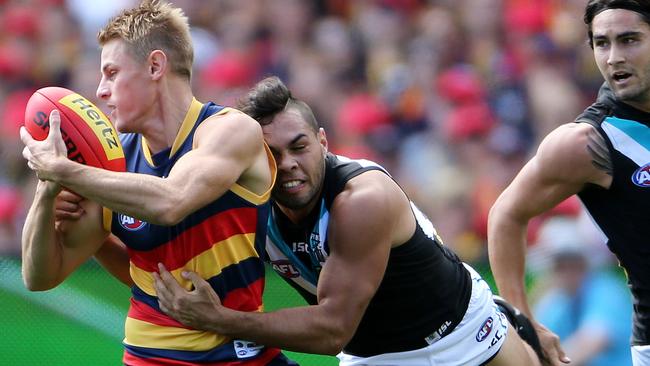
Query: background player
{"points": [[604, 159]]}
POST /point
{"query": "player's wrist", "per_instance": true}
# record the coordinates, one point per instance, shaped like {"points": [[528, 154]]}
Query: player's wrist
{"points": [[49, 169], [61, 169], [224, 321], [48, 189]]}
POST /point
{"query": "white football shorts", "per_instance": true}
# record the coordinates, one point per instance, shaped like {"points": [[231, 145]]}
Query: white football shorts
{"points": [[475, 341]]}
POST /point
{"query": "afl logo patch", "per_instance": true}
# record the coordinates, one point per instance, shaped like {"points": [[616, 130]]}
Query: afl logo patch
{"points": [[641, 176], [129, 223], [485, 330], [285, 269]]}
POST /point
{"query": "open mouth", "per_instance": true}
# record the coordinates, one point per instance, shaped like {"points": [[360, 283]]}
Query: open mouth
{"points": [[111, 110], [621, 76]]}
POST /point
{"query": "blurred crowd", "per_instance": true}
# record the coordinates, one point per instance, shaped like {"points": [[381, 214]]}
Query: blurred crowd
{"points": [[452, 96]]}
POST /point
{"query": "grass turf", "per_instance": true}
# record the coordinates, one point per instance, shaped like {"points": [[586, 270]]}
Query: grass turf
{"points": [[40, 333]]}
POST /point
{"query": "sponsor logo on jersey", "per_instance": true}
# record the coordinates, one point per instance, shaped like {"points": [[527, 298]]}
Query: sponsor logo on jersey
{"points": [[641, 176], [129, 223], [485, 329], [285, 268], [246, 349], [300, 247]]}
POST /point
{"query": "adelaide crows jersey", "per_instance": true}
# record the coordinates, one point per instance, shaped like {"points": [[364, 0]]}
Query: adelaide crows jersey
{"points": [[425, 290], [220, 242], [621, 211]]}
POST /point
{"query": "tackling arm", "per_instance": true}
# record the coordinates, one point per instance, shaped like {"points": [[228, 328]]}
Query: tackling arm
{"points": [[361, 230]]}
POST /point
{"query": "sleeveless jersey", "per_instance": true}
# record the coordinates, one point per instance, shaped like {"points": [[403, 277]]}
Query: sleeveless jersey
{"points": [[220, 242], [422, 296], [620, 211]]}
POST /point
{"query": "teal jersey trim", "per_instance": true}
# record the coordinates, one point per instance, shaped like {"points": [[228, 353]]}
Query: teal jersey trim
{"points": [[629, 137], [275, 236]]}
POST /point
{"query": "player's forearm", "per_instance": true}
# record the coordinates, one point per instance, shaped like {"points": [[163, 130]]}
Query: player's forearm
{"points": [[142, 196], [302, 329], [507, 252], [41, 253]]}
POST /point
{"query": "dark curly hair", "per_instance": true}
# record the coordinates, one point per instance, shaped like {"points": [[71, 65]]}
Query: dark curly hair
{"points": [[270, 97]]}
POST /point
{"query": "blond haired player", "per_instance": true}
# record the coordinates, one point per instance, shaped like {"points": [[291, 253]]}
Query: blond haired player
{"points": [[195, 196]]}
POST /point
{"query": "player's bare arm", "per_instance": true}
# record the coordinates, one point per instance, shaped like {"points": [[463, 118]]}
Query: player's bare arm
{"points": [[362, 230], [112, 255], [221, 157], [568, 159], [51, 253]]}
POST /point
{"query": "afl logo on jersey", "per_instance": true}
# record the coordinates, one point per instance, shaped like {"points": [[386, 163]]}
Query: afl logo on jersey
{"points": [[485, 330], [641, 176], [285, 269], [129, 223]]}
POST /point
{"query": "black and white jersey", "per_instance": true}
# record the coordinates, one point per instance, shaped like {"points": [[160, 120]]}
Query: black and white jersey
{"points": [[621, 211], [425, 290]]}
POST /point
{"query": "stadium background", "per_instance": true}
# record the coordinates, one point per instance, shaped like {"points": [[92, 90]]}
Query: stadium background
{"points": [[452, 96]]}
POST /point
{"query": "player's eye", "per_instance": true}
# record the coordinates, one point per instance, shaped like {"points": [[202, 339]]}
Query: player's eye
{"points": [[110, 74], [628, 40], [600, 43]]}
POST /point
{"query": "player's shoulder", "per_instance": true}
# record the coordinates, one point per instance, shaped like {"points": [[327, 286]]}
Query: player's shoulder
{"points": [[370, 192], [567, 140], [569, 153], [232, 118], [230, 124]]}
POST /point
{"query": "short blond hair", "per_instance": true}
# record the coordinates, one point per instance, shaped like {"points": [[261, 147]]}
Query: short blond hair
{"points": [[153, 25]]}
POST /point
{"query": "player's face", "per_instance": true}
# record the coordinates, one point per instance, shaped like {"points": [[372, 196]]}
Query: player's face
{"points": [[622, 51], [300, 155], [125, 86]]}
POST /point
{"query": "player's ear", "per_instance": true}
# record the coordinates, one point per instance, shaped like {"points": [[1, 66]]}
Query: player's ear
{"points": [[157, 63], [322, 139]]}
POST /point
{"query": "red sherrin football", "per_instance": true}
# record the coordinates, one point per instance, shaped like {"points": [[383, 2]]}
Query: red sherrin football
{"points": [[88, 134]]}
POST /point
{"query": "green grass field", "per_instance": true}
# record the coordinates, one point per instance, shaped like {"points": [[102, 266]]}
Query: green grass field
{"points": [[81, 321]]}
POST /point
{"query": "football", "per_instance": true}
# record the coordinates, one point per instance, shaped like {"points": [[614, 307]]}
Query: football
{"points": [[88, 134]]}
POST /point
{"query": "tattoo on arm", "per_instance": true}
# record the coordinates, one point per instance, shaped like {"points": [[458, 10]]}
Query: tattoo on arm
{"points": [[600, 156]]}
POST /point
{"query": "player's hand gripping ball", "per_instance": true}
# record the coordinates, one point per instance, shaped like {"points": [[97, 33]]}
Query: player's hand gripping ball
{"points": [[89, 136]]}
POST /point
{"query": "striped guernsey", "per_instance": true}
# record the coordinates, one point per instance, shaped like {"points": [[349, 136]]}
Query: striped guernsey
{"points": [[220, 242]]}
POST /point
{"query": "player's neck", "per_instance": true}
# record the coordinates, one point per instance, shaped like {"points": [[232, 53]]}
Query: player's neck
{"points": [[642, 106], [172, 103], [303, 215]]}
